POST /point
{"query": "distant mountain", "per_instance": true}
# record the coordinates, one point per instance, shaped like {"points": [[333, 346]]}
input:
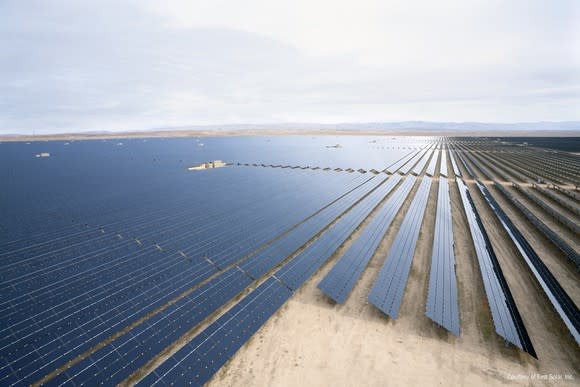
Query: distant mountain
{"points": [[403, 125], [564, 128]]}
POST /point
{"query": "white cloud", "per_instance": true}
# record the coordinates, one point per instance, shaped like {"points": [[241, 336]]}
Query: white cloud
{"points": [[73, 65]]}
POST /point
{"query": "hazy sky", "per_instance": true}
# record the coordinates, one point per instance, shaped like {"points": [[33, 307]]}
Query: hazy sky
{"points": [[114, 65]]}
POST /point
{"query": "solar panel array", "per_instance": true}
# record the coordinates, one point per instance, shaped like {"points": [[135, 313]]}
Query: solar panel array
{"points": [[561, 301], [443, 166], [198, 360], [387, 291], [341, 279], [506, 317], [399, 163], [442, 304], [563, 219], [115, 281], [421, 164], [202, 302], [572, 255], [98, 299], [433, 163], [411, 163], [456, 170]]}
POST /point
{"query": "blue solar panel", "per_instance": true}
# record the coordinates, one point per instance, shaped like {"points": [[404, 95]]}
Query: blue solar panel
{"points": [[561, 301], [506, 318], [387, 291], [341, 279], [442, 305], [432, 164]]}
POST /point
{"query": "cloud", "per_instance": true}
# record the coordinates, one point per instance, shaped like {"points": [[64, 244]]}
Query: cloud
{"points": [[108, 65]]}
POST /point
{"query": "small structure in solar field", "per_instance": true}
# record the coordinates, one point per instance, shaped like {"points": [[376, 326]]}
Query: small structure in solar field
{"points": [[43, 154], [208, 165]]}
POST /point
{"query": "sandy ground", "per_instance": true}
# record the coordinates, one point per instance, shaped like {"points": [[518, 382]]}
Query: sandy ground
{"points": [[312, 341]]}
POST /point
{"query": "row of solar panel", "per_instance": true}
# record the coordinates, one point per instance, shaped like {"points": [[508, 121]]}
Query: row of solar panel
{"points": [[546, 166], [507, 320], [433, 163], [442, 303], [387, 291], [542, 227], [564, 220], [421, 164], [572, 207], [341, 279], [562, 303], [538, 167]]}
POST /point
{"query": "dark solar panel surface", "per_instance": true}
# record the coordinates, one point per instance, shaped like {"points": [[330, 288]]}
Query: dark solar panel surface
{"points": [[506, 317], [387, 291], [442, 305], [561, 301], [340, 280]]}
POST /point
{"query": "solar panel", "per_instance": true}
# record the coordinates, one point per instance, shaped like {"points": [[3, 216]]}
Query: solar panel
{"points": [[421, 164], [456, 170], [409, 164], [506, 318], [442, 305], [207, 352], [443, 166], [562, 303], [433, 163], [542, 227], [340, 280], [387, 291]]}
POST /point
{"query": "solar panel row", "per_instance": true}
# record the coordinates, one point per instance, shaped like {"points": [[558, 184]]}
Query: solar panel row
{"points": [[467, 167], [571, 225], [442, 305], [432, 164], [506, 317], [421, 164], [564, 203], [263, 262], [443, 166], [340, 280], [387, 291], [561, 301], [197, 361], [411, 163], [456, 170], [567, 192], [399, 163], [296, 272], [548, 233]]}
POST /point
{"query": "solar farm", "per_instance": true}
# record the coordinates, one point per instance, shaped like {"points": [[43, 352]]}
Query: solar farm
{"points": [[341, 260]]}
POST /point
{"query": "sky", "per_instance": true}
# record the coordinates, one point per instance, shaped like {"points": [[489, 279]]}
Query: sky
{"points": [[74, 65]]}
